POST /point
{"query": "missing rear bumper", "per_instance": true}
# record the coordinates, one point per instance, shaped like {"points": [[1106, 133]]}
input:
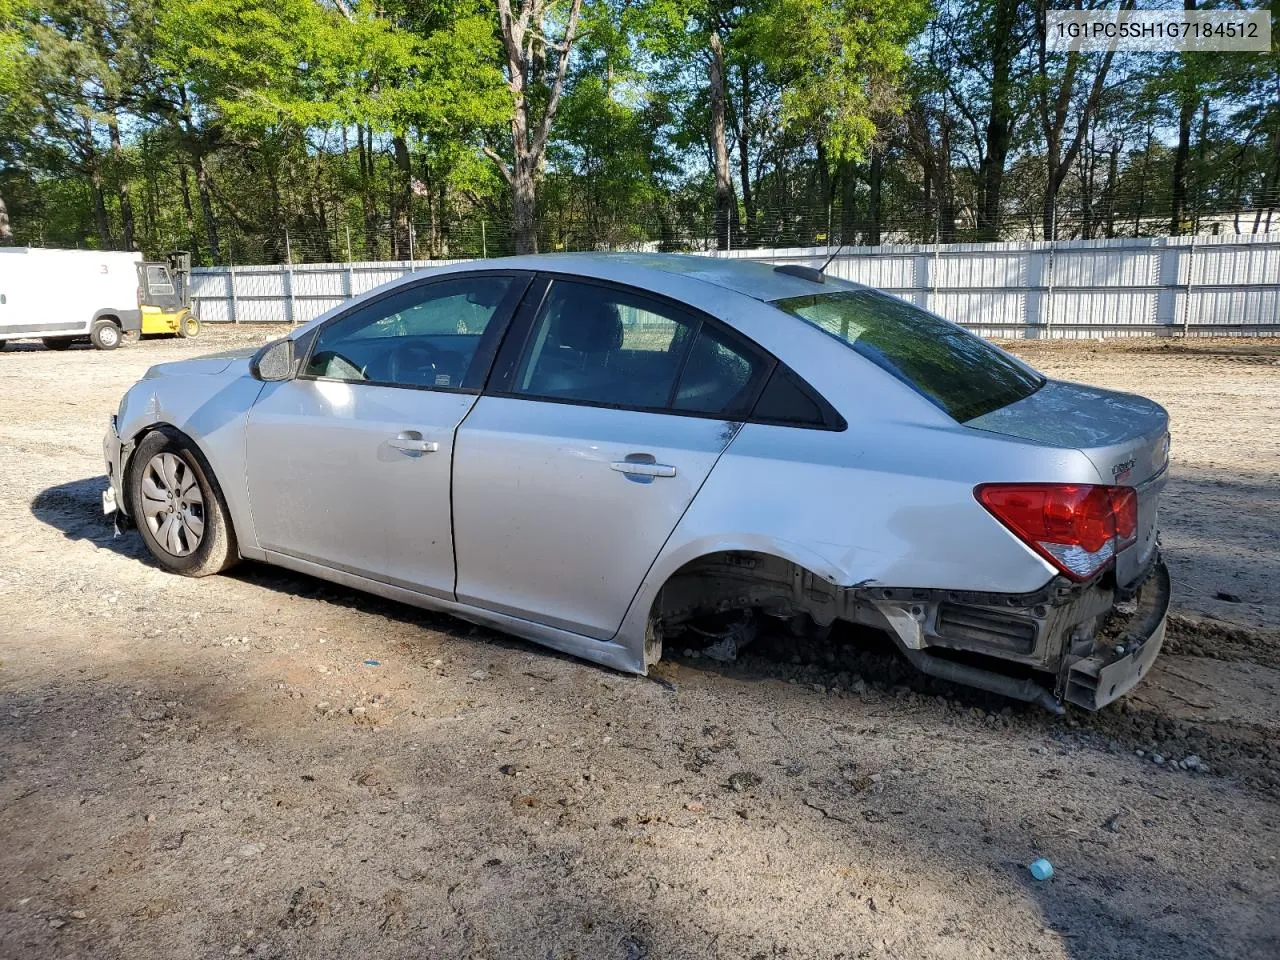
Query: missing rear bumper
{"points": [[1116, 666], [1080, 646]]}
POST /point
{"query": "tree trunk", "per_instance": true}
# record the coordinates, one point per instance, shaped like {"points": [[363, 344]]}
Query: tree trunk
{"points": [[875, 179], [1187, 104], [368, 198], [719, 151], [206, 208], [1113, 172], [202, 178], [6, 229], [946, 184], [101, 223], [528, 140], [188, 213], [1181, 156], [401, 199], [848, 202], [122, 185], [744, 159], [999, 127]]}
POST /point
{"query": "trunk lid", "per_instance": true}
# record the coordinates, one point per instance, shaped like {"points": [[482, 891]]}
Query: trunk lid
{"points": [[1125, 436]]}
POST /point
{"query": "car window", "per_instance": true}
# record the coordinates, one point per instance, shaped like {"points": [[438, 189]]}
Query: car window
{"points": [[789, 401], [425, 336], [602, 345], [722, 375], [956, 370]]}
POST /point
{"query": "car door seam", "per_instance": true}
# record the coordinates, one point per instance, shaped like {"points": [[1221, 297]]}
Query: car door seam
{"points": [[737, 429]]}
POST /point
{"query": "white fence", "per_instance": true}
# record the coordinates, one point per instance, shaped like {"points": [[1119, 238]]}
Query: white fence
{"points": [[1228, 285]]}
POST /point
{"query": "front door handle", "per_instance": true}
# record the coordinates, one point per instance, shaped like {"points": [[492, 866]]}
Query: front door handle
{"points": [[643, 468], [411, 442]]}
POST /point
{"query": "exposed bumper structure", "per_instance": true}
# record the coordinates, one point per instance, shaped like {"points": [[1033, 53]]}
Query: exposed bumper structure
{"points": [[1088, 645], [1110, 672]]}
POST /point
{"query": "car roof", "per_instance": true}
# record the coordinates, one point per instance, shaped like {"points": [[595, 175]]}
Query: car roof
{"points": [[760, 281]]}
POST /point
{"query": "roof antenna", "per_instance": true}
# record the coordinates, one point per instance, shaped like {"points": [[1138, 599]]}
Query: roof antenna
{"points": [[826, 263], [809, 273]]}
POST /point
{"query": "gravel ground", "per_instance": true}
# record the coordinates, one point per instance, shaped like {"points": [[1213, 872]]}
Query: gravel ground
{"points": [[265, 765]]}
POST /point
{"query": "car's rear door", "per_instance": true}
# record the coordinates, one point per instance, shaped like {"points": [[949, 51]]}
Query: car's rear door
{"points": [[607, 409], [349, 464]]}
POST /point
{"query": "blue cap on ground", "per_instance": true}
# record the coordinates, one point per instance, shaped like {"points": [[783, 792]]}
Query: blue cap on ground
{"points": [[1042, 869]]}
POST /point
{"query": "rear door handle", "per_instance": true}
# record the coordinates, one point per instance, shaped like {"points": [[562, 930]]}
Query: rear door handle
{"points": [[641, 468], [411, 442]]}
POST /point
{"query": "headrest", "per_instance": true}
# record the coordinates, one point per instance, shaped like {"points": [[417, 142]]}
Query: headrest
{"points": [[586, 323]]}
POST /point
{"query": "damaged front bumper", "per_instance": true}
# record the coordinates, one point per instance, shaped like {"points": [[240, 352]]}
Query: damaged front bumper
{"points": [[115, 453]]}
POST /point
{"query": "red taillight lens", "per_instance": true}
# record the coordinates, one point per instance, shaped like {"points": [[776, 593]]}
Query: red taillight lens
{"points": [[1077, 527]]}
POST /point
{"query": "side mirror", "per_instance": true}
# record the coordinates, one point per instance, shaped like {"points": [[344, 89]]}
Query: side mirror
{"points": [[273, 362]]}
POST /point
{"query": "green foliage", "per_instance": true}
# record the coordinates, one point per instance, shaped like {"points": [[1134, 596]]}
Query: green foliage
{"points": [[237, 122], [840, 63]]}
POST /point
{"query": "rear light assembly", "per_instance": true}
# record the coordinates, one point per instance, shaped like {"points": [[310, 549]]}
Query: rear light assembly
{"points": [[1077, 527]]}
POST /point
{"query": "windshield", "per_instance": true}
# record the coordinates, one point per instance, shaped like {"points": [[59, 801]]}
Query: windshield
{"points": [[958, 371]]}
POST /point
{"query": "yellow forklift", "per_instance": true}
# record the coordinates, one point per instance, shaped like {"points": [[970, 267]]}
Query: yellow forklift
{"points": [[164, 297]]}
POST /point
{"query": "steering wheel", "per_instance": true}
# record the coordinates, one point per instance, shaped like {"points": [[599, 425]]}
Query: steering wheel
{"points": [[412, 363]]}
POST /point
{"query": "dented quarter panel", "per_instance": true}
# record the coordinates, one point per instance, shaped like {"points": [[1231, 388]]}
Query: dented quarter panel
{"points": [[888, 503]]}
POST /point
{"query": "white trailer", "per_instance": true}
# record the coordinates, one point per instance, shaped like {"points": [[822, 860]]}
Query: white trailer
{"points": [[61, 296]]}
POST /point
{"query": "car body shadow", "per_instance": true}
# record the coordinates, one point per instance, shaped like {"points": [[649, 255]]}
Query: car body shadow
{"points": [[75, 508]]}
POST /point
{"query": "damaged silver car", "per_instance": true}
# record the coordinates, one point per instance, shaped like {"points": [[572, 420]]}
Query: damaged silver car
{"points": [[596, 452]]}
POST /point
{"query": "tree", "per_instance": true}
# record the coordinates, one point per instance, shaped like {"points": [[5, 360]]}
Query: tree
{"points": [[9, 53], [527, 46], [1057, 88]]}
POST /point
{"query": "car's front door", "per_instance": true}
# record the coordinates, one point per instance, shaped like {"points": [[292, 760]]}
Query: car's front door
{"points": [[349, 463], [607, 410]]}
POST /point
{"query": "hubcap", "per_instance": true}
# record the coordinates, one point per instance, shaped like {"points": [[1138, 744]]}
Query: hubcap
{"points": [[172, 504]]}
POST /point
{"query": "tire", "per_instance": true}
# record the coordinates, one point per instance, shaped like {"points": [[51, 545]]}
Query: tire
{"points": [[187, 534], [105, 335], [58, 343], [188, 326]]}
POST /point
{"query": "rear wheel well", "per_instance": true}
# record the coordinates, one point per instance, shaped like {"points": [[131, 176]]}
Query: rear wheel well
{"points": [[732, 580]]}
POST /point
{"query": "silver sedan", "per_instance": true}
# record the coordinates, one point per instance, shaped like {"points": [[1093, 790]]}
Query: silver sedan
{"points": [[598, 452]]}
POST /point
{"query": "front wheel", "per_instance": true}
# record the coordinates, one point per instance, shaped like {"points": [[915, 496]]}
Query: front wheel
{"points": [[178, 507], [105, 335], [188, 326]]}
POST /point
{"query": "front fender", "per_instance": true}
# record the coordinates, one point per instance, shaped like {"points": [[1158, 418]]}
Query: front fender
{"points": [[211, 411]]}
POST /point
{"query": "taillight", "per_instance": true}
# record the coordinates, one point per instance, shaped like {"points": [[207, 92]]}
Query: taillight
{"points": [[1078, 527]]}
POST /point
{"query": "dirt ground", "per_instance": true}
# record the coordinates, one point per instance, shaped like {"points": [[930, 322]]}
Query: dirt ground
{"points": [[265, 765]]}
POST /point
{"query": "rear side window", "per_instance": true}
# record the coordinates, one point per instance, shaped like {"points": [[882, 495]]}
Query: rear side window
{"points": [[721, 375], [618, 348], [956, 370], [789, 401]]}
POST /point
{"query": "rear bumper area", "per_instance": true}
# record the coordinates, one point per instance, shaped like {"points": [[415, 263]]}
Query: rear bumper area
{"points": [[1082, 644], [1116, 665]]}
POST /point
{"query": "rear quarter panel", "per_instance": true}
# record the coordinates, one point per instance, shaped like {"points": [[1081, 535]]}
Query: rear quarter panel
{"points": [[883, 502]]}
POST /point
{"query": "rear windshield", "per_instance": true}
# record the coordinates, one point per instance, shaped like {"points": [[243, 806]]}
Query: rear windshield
{"points": [[960, 372]]}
